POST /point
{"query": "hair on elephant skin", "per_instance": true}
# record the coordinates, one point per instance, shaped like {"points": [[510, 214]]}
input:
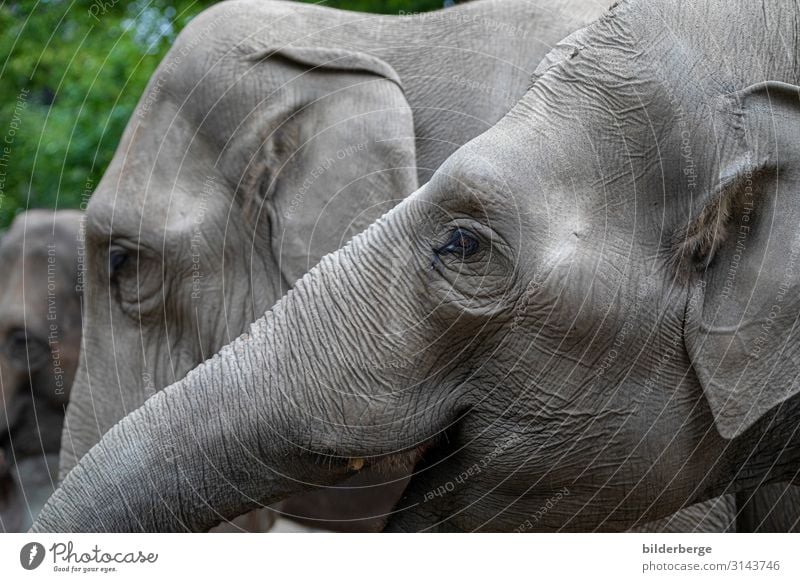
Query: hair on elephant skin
{"points": [[270, 134], [40, 331], [573, 337]]}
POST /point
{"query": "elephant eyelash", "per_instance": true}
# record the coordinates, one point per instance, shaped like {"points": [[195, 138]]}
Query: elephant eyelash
{"points": [[461, 242], [117, 259]]}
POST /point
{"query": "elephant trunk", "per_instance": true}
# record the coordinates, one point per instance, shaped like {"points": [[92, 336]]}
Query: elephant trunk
{"points": [[205, 449], [288, 405]]}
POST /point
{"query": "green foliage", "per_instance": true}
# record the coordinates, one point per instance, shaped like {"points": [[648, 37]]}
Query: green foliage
{"points": [[72, 75]]}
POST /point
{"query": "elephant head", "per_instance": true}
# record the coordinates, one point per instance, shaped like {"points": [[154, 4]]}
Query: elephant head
{"points": [[270, 134], [592, 321], [244, 163], [40, 334], [215, 191]]}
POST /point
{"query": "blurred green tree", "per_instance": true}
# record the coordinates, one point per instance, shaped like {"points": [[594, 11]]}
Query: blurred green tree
{"points": [[71, 75]]}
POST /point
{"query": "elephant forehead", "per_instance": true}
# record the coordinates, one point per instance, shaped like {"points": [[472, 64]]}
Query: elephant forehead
{"points": [[209, 72], [241, 23], [162, 167], [158, 216], [39, 234], [520, 189]]}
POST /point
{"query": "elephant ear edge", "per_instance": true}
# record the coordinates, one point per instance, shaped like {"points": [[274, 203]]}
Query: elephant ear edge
{"points": [[742, 330], [331, 59]]}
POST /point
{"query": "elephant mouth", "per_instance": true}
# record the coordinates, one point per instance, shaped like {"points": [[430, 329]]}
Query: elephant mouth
{"points": [[403, 462]]}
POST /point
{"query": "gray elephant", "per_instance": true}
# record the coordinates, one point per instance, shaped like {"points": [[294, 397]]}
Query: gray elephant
{"points": [[40, 331], [591, 324], [270, 134]]}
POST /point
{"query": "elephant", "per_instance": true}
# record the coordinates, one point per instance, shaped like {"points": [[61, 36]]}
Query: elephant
{"points": [[516, 295], [269, 135], [40, 330], [590, 324]]}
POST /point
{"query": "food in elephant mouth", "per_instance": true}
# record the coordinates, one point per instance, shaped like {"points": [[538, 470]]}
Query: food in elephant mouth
{"points": [[356, 464]]}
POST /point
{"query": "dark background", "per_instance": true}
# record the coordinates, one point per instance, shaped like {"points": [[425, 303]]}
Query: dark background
{"points": [[69, 81]]}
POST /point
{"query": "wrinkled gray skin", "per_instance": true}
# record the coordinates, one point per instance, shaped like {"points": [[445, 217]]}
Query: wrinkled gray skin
{"points": [[576, 335], [40, 332], [773, 509], [715, 516], [271, 134], [770, 509]]}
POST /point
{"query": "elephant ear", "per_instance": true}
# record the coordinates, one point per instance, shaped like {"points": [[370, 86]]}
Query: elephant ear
{"points": [[743, 334], [344, 157]]}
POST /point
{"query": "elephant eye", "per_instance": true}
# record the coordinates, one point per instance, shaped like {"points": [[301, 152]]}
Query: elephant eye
{"points": [[17, 344], [461, 243], [117, 258], [25, 350]]}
